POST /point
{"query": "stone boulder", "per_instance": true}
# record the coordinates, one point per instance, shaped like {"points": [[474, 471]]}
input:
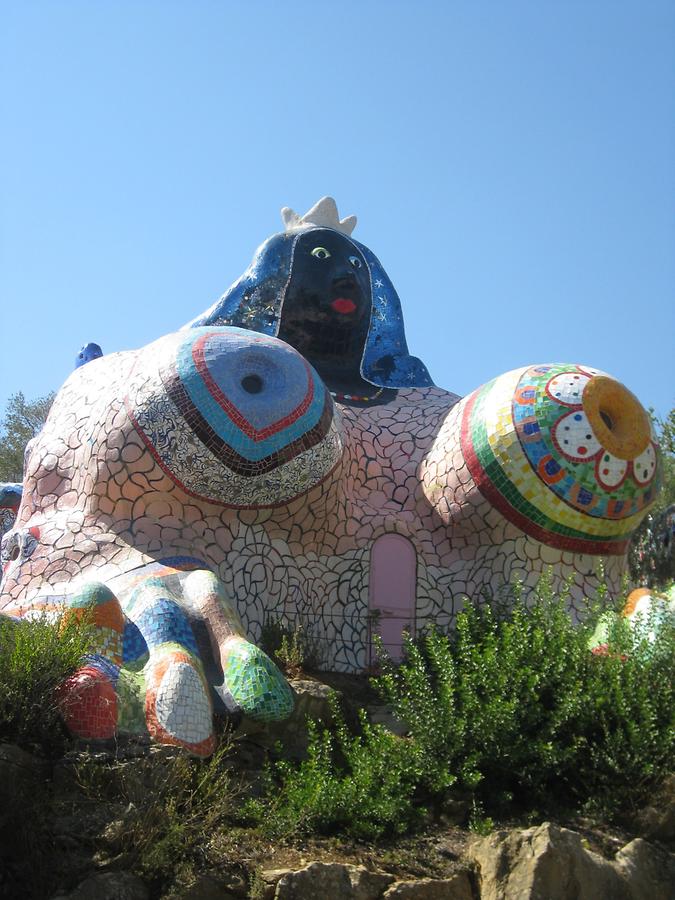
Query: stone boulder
{"points": [[649, 871], [311, 702], [457, 887], [108, 886], [544, 863], [20, 774], [320, 881], [657, 820]]}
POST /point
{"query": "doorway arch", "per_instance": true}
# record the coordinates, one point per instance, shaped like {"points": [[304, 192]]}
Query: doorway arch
{"points": [[392, 593]]}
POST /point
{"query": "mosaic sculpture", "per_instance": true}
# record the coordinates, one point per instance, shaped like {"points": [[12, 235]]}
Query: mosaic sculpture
{"points": [[87, 353], [284, 456], [645, 610], [10, 499]]}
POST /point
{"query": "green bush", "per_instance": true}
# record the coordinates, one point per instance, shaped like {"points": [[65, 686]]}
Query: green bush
{"points": [[511, 707], [516, 707], [363, 785], [36, 656]]}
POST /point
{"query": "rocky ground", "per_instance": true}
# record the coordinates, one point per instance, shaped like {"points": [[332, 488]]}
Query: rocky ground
{"points": [[65, 834]]}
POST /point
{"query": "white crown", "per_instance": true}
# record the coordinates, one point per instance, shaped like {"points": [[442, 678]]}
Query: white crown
{"points": [[323, 214]]}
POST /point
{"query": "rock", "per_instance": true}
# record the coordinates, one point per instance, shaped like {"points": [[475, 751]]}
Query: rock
{"points": [[88, 823], [311, 701], [648, 870], [544, 863], [657, 821], [110, 886], [380, 714], [367, 885], [321, 881], [458, 887], [209, 887], [270, 878], [20, 773]]}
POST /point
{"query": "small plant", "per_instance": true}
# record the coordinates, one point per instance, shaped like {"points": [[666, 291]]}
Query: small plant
{"points": [[363, 785], [479, 823], [175, 805], [291, 653], [294, 648], [36, 656]]}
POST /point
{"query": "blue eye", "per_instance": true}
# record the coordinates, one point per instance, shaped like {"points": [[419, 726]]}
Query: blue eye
{"points": [[355, 261], [320, 253]]}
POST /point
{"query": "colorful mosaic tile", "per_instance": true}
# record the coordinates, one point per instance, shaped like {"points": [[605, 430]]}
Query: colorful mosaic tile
{"points": [[286, 458], [540, 454], [254, 682], [234, 419]]}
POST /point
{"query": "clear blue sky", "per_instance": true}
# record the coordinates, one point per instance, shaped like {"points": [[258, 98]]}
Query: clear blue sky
{"points": [[511, 163]]}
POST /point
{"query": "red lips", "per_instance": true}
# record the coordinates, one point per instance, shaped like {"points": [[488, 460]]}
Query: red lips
{"points": [[343, 306]]}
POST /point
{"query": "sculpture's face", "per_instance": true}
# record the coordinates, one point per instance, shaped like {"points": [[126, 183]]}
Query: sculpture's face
{"points": [[327, 305]]}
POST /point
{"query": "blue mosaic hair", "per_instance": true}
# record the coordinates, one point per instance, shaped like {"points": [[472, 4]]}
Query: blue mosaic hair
{"points": [[255, 301]]}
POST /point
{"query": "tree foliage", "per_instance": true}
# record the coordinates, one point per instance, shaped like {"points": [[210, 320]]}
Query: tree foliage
{"points": [[23, 419], [652, 555]]}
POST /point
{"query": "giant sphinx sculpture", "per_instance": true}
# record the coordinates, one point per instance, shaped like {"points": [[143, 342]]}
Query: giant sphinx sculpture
{"points": [[285, 455]]}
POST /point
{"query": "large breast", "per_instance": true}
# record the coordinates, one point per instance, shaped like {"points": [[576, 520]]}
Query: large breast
{"points": [[234, 417], [564, 452]]}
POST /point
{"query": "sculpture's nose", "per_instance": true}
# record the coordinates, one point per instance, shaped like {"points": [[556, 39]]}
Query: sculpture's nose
{"points": [[235, 417], [345, 282]]}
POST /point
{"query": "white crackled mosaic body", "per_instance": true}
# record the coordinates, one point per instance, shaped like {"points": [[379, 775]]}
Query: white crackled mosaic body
{"points": [[215, 480]]}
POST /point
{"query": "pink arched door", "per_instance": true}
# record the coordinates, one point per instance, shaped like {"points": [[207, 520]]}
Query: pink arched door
{"points": [[393, 582]]}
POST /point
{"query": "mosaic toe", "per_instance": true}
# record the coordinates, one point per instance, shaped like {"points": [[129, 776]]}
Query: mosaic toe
{"points": [[88, 704], [178, 710], [254, 684]]}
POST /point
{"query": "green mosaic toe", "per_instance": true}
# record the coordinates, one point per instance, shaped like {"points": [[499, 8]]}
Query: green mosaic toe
{"points": [[257, 687]]}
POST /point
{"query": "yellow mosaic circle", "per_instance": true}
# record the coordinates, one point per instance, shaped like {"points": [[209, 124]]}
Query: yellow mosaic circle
{"points": [[617, 417]]}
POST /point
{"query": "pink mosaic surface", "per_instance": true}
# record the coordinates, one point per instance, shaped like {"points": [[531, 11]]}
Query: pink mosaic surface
{"points": [[103, 507]]}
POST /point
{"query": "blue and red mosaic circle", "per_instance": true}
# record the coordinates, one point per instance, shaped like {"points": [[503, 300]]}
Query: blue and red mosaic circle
{"points": [[234, 417]]}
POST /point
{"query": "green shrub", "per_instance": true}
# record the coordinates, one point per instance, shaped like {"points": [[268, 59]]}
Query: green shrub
{"points": [[511, 706], [515, 706], [363, 785], [36, 656]]}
